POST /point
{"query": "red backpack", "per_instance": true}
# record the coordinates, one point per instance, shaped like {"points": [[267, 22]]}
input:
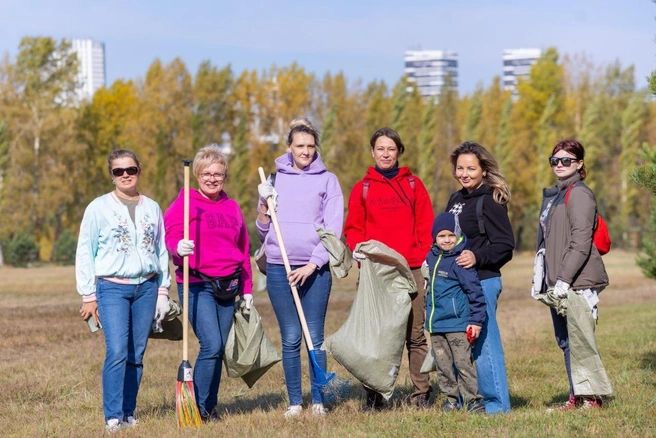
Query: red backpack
{"points": [[600, 235]]}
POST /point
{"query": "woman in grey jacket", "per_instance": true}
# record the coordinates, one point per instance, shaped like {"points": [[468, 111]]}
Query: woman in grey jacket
{"points": [[575, 271]]}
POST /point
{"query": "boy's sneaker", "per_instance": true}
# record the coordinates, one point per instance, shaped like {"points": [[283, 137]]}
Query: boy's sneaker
{"points": [[294, 411], [319, 410], [129, 421], [113, 425], [591, 403], [570, 404], [476, 407], [449, 406]]}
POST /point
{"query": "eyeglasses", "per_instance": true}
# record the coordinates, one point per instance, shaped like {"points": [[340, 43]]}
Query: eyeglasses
{"points": [[132, 170], [565, 161], [206, 176]]}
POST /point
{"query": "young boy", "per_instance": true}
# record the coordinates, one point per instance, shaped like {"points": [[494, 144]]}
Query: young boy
{"points": [[455, 308]]}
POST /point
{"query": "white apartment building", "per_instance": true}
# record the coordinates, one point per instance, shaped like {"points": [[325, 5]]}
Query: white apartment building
{"points": [[91, 74], [517, 64], [428, 69]]}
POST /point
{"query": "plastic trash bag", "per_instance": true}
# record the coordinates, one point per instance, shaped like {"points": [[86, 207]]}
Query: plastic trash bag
{"points": [[370, 343], [249, 353]]}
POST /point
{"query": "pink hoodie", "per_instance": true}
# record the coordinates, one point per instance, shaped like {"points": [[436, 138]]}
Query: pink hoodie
{"points": [[219, 234]]}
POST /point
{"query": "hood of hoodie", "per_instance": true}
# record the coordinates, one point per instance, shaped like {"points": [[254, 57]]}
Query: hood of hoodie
{"points": [[483, 189], [373, 174], [285, 164]]}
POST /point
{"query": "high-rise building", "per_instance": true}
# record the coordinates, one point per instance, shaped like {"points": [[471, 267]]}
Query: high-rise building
{"points": [[428, 69], [91, 73], [517, 64]]}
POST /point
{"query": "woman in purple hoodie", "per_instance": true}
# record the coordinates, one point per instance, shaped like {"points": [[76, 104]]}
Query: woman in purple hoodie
{"points": [[307, 197]]}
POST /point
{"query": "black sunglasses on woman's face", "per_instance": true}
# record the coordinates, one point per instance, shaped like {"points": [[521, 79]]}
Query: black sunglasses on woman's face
{"points": [[566, 161], [132, 170]]}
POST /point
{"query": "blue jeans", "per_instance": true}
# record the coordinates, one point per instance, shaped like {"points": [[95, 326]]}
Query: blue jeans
{"points": [[488, 354], [126, 313], [211, 320], [314, 296]]}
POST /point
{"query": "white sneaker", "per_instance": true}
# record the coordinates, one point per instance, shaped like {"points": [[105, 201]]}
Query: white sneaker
{"points": [[129, 422], [113, 425], [319, 410], [294, 411]]}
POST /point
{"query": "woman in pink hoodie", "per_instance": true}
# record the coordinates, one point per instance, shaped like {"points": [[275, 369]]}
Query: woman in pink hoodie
{"points": [[219, 267]]}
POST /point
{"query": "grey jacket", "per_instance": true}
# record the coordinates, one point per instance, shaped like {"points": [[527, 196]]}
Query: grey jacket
{"points": [[566, 233]]}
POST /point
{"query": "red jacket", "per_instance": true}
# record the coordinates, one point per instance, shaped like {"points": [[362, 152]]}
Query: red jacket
{"points": [[392, 212]]}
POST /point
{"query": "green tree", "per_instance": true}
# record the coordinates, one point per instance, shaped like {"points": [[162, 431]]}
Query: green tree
{"points": [[474, 116]]}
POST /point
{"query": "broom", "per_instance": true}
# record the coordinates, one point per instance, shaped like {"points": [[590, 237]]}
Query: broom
{"points": [[321, 376], [185, 401]]}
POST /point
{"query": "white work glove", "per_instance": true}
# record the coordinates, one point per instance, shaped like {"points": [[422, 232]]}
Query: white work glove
{"points": [[266, 191], [185, 247], [358, 256], [248, 300], [161, 308], [561, 288]]}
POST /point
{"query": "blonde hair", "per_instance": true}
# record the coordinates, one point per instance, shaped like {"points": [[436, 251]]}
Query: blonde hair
{"points": [[208, 155], [492, 178], [304, 125]]}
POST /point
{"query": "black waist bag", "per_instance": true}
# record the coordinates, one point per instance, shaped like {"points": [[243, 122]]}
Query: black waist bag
{"points": [[225, 288]]}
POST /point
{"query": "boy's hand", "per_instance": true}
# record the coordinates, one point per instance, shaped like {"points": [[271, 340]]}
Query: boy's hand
{"points": [[473, 332]]}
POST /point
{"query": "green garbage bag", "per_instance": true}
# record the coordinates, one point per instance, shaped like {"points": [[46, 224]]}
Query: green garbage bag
{"points": [[429, 364], [370, 343], [249, 353], [340, 257]]}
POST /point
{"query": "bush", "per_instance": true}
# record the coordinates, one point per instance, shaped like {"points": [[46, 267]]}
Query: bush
{"points": [[64, 248], [21, 250]]}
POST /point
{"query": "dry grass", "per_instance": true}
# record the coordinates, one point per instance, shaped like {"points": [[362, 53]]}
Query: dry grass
{"points": [[50, 369]]}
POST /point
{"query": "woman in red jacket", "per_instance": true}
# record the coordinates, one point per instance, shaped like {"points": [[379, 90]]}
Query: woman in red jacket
{"points": [[392, 206]]}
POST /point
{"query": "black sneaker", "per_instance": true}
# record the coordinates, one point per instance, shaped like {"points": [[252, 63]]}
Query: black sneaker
{"points": [[449, 406], [375, 402], [476, 407]]}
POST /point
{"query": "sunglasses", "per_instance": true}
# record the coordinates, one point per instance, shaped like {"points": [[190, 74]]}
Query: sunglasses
{"points": [[565, 161], [132, 170]]}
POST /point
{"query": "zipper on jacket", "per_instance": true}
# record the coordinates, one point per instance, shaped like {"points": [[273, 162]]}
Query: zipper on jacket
{"points": [[430, 321], [453, 303]]}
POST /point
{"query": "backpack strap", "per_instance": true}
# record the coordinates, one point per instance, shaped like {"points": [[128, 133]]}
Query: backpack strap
{"points": [[365, 190], [479, 215], [569, 190]]}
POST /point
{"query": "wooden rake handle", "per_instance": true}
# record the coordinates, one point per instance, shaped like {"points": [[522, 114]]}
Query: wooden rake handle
{"points": [[185, 267], [288, 269]]}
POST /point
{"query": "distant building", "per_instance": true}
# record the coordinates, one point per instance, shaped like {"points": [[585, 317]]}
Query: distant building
{"points": [[429, 69], [517, 64], [91, 74]]}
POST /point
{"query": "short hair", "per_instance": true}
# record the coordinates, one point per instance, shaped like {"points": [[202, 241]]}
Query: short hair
{"points": [[575, 148], [208, 155], [488, 163], [304, 125], [121, 153], [391, 134]]}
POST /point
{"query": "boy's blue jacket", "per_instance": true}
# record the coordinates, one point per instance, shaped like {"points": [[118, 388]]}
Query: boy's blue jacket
{"points": [[454, 297]]}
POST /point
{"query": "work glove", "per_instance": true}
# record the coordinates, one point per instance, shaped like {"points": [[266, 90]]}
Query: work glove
{"points": [[266, 191], [185, 247], [561, 288], [358, 256], [248, 300], [161, 308]]}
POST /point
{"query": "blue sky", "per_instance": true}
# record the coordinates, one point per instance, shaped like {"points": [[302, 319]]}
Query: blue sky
{"points": [[363, 38]]}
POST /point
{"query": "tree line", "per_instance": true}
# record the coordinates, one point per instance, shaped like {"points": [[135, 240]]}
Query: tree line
{"points": [[53, 149]]}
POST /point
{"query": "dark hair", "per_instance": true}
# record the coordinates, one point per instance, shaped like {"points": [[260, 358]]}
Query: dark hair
{"points": [[575, 148], [391, 134], [492, 176], [305, 126], [121, 153]]}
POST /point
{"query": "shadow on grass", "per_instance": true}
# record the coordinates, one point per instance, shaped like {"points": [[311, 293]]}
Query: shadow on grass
{"points": [[559, 399], [648, 361]]}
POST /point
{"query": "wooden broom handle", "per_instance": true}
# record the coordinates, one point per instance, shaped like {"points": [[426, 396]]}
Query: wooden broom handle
{"points": [[288, 269], [185, 267]]}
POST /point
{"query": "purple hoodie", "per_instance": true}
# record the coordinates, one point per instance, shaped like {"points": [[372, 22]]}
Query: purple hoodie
{"points": [[307, 200]]}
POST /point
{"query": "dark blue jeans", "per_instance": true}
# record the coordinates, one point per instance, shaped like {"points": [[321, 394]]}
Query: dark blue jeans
{"points": [[126, 313], [314, 296], [488, 354], [211, 320]]}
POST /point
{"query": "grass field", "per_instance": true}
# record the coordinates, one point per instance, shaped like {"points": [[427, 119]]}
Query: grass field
{"points": [[50, 369]]}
